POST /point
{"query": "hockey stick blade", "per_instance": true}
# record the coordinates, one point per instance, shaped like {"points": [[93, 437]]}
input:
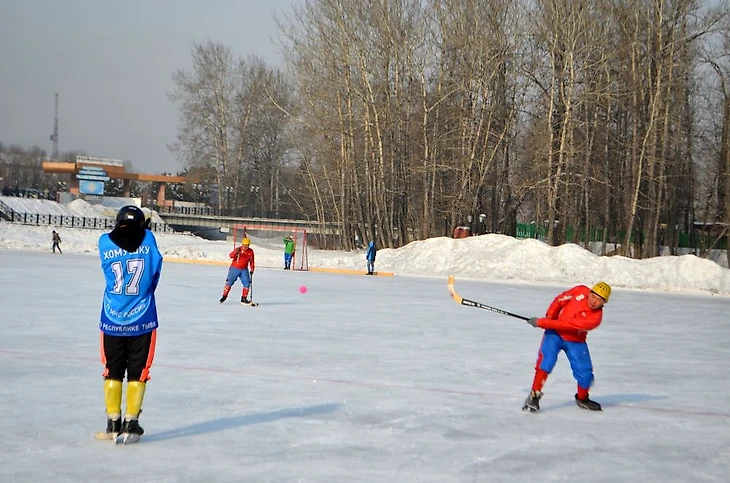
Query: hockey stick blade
{"points": [[470, 303], [104, 436]]}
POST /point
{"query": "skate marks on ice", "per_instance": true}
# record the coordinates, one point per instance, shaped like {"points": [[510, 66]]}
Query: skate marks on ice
{"points": [[628, 401], [234, 422], [636, 401], [267, 302], [555, 401]]}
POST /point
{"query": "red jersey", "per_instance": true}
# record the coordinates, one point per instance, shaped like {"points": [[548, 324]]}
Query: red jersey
{"points": [[570, 316], [242, 258]]}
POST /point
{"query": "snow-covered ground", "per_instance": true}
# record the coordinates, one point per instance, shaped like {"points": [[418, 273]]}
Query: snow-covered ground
{"points": [[497, 258], [489, 257]]}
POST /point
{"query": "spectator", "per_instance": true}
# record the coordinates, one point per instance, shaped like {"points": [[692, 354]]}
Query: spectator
{"points": [[56, 242]]}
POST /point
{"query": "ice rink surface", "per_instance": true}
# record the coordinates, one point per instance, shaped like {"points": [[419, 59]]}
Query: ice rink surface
{"points": [[361, 379]]}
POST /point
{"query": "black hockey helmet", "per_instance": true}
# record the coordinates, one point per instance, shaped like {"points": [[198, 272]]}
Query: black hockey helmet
{"points": [[131, 216]]}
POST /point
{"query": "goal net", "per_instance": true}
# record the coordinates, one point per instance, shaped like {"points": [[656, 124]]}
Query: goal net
{"points": [[271, 238]]}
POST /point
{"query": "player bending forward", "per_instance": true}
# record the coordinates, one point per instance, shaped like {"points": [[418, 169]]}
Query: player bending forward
{"points": [[131, 263], [242, 266], [568, 319]]}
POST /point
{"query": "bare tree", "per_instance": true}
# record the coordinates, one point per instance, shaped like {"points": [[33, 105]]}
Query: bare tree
{"points": [[232, 126], [205, 96]]}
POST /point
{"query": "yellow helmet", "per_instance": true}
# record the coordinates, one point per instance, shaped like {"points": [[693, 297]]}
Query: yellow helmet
{"points": [[603, 290], [246, 242]]}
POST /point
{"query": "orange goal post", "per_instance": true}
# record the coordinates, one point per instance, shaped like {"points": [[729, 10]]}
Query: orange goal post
{"points": [[271, 237]]}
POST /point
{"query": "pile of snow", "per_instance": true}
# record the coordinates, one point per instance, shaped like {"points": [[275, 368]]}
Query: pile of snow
{"points": [[36, 206], [487, 257], [85, 209]]}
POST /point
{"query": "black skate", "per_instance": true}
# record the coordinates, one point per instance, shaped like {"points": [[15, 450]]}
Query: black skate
{"points": [[131, 431], [587, 404], [532, 403], [113, 428], [245, 301], [223, 298]]}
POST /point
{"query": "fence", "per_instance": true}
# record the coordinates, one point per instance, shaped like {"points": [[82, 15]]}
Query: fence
{"points": [[65, 221], [229, 212], [696, 239]]}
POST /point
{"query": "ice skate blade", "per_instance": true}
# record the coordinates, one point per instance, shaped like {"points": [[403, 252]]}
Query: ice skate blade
{"points": [[130, 438]]}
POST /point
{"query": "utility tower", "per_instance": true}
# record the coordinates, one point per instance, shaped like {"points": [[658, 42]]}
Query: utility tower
{"points": [[54, 136]]}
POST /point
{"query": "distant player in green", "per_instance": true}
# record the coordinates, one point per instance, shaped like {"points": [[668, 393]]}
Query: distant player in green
{"points": [[289, 248]]}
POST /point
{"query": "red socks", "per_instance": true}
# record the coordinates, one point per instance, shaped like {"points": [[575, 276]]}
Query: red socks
{"points": [[539, 381]]}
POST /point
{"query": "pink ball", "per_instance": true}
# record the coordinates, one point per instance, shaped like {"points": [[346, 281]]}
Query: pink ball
{"points": [[303, 289]]}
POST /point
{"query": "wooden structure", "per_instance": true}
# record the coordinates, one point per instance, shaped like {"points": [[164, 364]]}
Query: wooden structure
{"points": [[114, 171]]}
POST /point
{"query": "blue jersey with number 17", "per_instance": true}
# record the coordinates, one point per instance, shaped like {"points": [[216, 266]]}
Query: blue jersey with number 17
{"points": [[131, 278]]}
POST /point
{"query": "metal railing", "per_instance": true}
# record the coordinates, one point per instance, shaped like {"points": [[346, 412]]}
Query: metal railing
{"points": [[67, 221], [228, 212], [5, 211]]}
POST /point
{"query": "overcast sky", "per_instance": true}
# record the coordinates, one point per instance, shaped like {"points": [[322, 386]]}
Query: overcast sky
{"points": [[111, 64]]}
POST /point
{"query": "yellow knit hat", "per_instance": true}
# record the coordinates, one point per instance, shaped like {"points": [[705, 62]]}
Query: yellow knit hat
{"points": [[246, 242], [603, 290]]}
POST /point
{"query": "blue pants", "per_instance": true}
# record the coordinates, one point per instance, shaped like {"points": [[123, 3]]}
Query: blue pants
{"points": [[236, 273], [371, 266], [578, 356], [287, 260]]}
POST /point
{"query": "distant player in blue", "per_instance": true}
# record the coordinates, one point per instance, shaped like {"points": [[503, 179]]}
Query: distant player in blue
{"points": [[131, 263], [370, 257]]}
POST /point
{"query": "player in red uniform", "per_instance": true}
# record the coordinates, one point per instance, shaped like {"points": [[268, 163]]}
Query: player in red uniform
{"points": [[567, 322], [241, 267]]}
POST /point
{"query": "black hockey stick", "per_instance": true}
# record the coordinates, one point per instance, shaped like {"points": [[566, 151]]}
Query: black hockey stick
{"points": [[470, 303], [250, 287], [250, 292]]}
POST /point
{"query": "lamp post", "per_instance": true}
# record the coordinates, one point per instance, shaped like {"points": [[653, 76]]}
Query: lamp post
{"points": [[287, 193], [229, 190], [197, 188], [254, 195]]}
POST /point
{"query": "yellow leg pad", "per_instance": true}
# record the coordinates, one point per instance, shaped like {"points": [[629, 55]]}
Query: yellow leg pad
{"points": [[135, 396], [113, 397]]}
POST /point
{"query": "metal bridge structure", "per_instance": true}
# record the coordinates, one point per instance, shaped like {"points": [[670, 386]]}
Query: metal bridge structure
{"points": [[219, 226]]}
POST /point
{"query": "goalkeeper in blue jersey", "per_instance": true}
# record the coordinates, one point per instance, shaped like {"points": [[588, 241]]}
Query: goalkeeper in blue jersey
{"points": [[131, 263]]}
